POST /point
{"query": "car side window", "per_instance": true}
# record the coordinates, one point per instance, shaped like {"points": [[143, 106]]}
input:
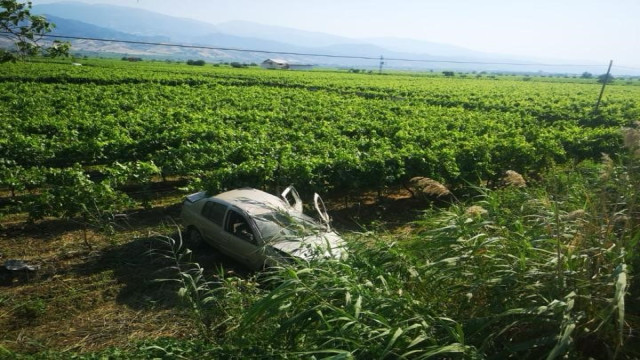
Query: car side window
{"points": [[214, 211], [238, 226]]}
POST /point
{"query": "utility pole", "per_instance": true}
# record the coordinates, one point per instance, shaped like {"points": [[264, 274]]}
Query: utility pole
{"points": [[381, 63], [604, 83]]}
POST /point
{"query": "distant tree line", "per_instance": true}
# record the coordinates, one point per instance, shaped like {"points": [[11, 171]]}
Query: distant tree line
{"points": [[363, 71], [195, 62], [233, 64], [605, 78], [132, 59]]}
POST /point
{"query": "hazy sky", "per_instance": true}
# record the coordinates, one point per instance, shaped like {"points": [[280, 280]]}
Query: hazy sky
{"points": [[577, 30]]}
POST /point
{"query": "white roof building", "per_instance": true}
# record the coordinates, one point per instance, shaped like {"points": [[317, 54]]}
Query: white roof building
{"points": [[284, 64], [275, 64]]}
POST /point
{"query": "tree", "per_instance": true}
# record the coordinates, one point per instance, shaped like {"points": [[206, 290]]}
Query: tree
{"points": [[586, 75], [608, 78], [26, 31]]}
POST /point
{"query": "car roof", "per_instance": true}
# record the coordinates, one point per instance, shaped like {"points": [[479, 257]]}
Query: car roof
{"points": [[253, 201]]}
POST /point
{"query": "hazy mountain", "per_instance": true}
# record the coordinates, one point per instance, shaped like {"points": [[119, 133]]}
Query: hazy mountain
{"points": [[117, 22], [374, 45], [128, 20], [281, 34], [241, 34], [426, 47], [81, 29], [241, 42]]}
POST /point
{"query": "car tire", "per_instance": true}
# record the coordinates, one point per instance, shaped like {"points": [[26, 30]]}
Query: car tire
{"points": [[195, 238]]}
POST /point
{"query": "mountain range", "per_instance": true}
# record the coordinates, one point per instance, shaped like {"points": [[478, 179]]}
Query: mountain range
{"points": [[124, 23]]}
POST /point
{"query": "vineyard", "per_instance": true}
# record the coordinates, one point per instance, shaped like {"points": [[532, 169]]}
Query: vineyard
{"points": [[321, 130], [87, 143]]}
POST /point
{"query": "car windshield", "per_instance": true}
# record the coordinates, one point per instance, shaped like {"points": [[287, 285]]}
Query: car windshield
{"points": [[286, 225]]}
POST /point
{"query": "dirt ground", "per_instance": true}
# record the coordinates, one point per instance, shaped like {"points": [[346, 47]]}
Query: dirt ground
{"points": [[86, 299]]}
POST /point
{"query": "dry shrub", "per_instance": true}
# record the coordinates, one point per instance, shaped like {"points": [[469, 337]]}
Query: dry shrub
{"points": [[428, 187], [513, 178], [632, 139], [475, 211], [576, 215], [607, 167]]}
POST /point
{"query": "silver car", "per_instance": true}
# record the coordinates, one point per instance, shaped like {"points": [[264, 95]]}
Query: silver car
{"points": [[259, 229]]}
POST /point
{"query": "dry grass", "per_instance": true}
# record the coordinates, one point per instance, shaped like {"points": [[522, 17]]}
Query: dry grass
{"points": [[108, 324], [89, 299], [513, 178], [428, 187], [82, 299], [607, 167], [575, 215], [475, 211], [632, 139]]}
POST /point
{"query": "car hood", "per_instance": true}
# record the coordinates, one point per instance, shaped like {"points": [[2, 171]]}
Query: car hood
{"points": [[323, 244]]}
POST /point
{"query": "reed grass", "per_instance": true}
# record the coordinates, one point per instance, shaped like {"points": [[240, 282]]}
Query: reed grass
{"points": [[533, 272]]}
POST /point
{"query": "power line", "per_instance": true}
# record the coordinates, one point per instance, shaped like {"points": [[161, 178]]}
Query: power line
{"points": [[627, 67], [308, 54], [209, 47]]}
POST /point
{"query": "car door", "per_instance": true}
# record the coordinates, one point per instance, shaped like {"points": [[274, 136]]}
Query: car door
{"points": [[322, 211], [212, 223], [241, 239], [291, 197]]}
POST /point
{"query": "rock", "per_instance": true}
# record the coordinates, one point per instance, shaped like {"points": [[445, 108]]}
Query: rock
{"points": [[19, 265], [13, 270]]}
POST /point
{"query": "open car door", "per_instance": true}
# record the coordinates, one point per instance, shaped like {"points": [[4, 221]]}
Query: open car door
{"points": [[290, 192], [322, 210]]}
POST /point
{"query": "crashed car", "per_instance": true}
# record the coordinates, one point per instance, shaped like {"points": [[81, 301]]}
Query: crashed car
{"points": [[259, 229]]}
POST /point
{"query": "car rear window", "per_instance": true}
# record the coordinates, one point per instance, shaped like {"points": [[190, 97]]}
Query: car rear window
{"points": [[214, 212]]}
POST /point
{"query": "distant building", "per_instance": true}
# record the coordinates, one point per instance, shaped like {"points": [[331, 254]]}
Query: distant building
{"points": [[275, 64], [284, 64]]}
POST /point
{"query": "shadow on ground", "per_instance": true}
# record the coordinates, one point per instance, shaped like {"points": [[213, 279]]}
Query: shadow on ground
{"points": [[140, 266], [389, 213], [43, 229]]}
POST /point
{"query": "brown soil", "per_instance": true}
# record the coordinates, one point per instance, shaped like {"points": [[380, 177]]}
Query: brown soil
{"points": [[86, 299]]}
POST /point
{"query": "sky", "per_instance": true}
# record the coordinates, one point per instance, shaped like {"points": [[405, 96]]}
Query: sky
{"points": [[573, 30]]}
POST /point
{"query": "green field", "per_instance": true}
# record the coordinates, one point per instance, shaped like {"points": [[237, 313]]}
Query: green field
{"points": [[492, 271], [325, 130]]}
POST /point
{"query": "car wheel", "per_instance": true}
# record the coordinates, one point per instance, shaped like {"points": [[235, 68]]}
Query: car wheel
{"points": [[195, 238]]}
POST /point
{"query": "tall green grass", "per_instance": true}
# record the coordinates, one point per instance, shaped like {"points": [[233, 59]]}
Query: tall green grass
{"points": [[544, 271], [537, 272]]}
